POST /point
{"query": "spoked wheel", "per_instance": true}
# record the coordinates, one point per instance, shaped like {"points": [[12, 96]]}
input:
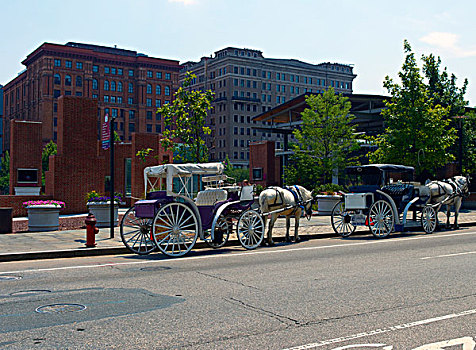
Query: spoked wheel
{"points": [[429, 219], [175, 229], [250, 229], [222, 232], [340, 220], [381, 219], [136, 233]]}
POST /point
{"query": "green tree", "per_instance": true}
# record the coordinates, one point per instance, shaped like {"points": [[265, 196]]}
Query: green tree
{"points": [[5, 173], [184, 120], [49, 149], [325, 140], [239, 174], [417, 131], [469, 144]]}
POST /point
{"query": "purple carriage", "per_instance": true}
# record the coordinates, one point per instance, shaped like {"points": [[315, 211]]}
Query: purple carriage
{"points": [[185, 202]]}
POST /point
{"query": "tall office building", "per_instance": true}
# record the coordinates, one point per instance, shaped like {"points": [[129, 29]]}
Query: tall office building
{"points": [[247, 84], [1, 120], [128, 85]]}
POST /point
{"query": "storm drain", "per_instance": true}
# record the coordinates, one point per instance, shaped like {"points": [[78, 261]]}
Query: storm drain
{"points": [[10, 278], [30, 292], [155, 268], [60, 308]]}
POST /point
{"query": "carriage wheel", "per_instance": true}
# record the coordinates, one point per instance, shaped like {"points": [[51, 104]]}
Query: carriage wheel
{"points": [[223, 229], [250, 229], [340, 220], [135, 233], [381, 219], [429, 219], [175, 229]]}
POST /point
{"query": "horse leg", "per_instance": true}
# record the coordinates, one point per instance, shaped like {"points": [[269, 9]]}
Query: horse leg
{"points": [[457, 207], [270, 229], [448, 213], [288, 224], [296, 227]]}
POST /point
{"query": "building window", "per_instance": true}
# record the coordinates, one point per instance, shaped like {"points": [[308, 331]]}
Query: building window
{"points": [[158, 90], [157, 103], [67, 93], [106, 98], [149, 74], [149, 88], [131, 114], [113, 99], [106, 85], [68, 64], [158, 75], [132, 127], [131, 73], [119, 86], [158, 116], [149, 127], [95, 84], [130, 100], [57, 63], [158, 128], [55, 107], [167, 91], [130, 88], [79, 65], [95, 95], [57, 79], [148, 102], [149, 115], [119, 71], [113, 86], [119, 99], [167, 76], [79, 81], [113, 70], [107, 70], [95, 68], [67, 80], [79, 93]]}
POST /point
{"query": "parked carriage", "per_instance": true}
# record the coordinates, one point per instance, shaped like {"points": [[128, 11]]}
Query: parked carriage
{"points": [[185, 202], [382, 196]]}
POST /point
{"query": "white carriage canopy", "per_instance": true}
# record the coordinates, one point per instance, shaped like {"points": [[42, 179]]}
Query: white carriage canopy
{"points": [[154, 175]]}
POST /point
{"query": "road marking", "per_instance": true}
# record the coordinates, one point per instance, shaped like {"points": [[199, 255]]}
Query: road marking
{"points": [[446, 255], [383, 330], [255, 252]]}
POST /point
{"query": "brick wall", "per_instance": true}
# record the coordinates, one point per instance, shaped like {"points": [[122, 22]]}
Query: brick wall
{"points": [[121, 152], [25, 150], [16, 202], [262, 156], [76, 169]]}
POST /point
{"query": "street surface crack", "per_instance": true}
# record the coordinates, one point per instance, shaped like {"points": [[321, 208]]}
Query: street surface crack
{"points": [[283, 319], [227, 280]]}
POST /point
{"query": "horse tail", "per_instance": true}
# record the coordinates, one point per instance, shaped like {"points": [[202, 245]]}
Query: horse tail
{"points": [[263, 202]]}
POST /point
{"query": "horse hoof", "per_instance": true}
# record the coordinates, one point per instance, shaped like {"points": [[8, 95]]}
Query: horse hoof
{"points": [[297, 239], [270, 243]]}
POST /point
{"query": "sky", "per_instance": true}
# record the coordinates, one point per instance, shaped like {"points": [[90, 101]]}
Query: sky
{"points": [[367, 34]]}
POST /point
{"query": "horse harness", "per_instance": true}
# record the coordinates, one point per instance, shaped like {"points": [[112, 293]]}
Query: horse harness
{"points": [[457, 191], [297, 197]]}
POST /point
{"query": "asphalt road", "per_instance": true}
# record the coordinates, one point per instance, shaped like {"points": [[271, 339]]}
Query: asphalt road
{"points": [[397, 293]]}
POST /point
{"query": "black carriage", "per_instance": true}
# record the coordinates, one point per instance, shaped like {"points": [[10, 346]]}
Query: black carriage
{"points": [[185, 202], [381, 196]]}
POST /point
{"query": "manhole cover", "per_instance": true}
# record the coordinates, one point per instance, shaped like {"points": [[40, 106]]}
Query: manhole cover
{"points": [[155, 268], [29, 292], [10, 278], [60, 308]]}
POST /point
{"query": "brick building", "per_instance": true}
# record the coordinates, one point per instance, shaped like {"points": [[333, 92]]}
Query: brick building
{"points": [[247, 84], [1, 119], [127, 84]]}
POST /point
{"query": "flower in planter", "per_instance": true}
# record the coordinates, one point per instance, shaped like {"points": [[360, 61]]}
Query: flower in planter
{"points": [[59, 204], [93, 196]]}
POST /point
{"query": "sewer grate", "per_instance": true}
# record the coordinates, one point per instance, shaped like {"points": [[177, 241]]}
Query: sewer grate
{"points": [[29, 292], [60, 308], [10, 278]]}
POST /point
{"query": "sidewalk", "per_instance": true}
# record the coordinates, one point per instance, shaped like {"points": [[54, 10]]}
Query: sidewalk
{"points": [[71, 243]]}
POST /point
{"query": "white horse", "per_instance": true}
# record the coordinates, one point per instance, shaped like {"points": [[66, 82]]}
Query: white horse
{"points": [[449, 192], [294, 198]]}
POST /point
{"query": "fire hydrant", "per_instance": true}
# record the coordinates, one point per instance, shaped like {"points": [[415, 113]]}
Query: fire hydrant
{"points": [[91, 231]]}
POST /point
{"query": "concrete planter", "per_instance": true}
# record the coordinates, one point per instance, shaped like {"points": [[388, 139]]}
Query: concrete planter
{"points": [[43, 217], [101, 211], [325, 204]]}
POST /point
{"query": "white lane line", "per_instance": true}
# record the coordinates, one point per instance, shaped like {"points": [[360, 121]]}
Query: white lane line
{"points": [[382, 330], [446, 255], [255, 252]]}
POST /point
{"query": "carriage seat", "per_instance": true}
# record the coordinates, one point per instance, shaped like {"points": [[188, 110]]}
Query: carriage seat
{"points": [[246, 193], [211, 196]]}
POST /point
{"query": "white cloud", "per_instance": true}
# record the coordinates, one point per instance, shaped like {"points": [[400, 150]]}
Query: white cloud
{"points": [[185, 2], [449, 43]]}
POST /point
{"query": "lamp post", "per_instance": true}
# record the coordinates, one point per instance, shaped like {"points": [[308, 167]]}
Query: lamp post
{"points": [[112, 203]]}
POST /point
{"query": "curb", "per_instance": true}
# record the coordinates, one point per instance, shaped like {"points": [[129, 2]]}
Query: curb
{"points": [[83, 252]]}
